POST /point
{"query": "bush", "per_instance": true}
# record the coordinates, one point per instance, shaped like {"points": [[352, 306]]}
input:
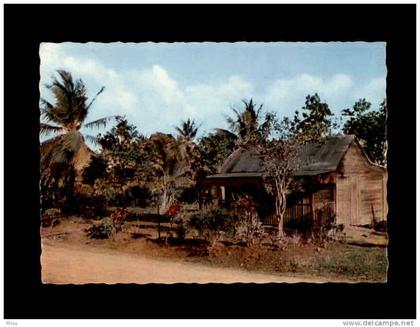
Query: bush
{"points": [[210, 224], [248, 226], [104, 230], [119, 216]]}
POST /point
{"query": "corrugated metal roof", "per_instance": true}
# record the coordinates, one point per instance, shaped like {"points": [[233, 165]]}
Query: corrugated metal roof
{"points": [[315, 159]]}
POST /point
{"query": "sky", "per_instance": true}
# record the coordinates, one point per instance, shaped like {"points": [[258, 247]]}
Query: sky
{"points": [[158, 85]]}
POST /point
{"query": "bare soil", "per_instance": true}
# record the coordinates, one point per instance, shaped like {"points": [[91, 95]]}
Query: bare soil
{"points": [[134, 256]]}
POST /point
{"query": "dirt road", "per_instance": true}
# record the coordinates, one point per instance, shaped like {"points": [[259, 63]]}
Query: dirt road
{"points": [[66, 264]]}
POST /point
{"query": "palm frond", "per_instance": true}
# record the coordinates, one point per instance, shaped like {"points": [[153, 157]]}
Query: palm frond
{"points": [[94, 98], [92, 139], [60, 149], [72, 141], [46, 149], [46, 129], [188, 128], [49, 112], [47, 144], [101, 122]]}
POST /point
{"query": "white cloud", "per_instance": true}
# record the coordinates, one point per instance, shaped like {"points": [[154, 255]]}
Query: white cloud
{"points": [[154, 101], [212, 102], [374, 91], [286, 95]]}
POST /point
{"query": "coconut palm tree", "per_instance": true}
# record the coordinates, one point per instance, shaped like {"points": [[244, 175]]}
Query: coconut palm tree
{"points": [[188, 129], [65, 118], [172, 165], [245, 122], [64, 156], [247, 125]]}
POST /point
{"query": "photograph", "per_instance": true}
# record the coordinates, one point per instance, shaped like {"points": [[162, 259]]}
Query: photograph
{"points": [[213, 162]]}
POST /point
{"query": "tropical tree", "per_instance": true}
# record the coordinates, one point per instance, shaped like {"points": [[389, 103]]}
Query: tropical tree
{"points": [[249, 125], [128, 160], [369, 126], [66, 117], [63, 155], [184, 147], [215, 148], [279, 156], [278, 145], [171, 168], [314, 120], [188, 129]]}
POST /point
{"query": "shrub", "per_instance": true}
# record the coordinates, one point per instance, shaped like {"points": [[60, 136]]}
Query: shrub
{"points": [[103, 230], [248, 227], [119, 216], [210, 224]]}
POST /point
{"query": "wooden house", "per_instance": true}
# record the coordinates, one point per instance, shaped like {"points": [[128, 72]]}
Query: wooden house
{"points": [[340, 183]]}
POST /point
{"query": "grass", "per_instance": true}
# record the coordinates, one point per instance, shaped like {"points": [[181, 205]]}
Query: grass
{"points": [[337, 261], [354, 261]]}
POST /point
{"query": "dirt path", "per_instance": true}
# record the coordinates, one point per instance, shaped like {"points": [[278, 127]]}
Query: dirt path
{"points": [[67, 264]]}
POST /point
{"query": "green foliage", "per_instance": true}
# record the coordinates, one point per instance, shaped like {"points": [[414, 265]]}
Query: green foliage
{"points": [[361, 263], [369, 126], [188, 129], [119, 216], [314, 120], [108, 226], [248, 226], [249, 125], [58, 154], [210, 224], [214, 149], [128, 157], [104, 230], [95, 170], [172, 164], [119, 138], [57, 187], [68, 115]]}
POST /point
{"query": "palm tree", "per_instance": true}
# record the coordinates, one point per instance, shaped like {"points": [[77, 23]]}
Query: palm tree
{"points": [[188, 129], [170, 169], [65, 155], [246, 125], [65, 118], [245, 122]]}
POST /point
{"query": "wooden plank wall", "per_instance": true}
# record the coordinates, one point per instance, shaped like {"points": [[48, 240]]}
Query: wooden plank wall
{"points": [[361, 190]]}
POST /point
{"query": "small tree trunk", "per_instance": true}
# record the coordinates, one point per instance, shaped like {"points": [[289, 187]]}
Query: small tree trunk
{"points": [[280, 207], [280, 232]]}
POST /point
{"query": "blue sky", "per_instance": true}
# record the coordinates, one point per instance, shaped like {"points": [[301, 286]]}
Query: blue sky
{"points": [[157, 85]]}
